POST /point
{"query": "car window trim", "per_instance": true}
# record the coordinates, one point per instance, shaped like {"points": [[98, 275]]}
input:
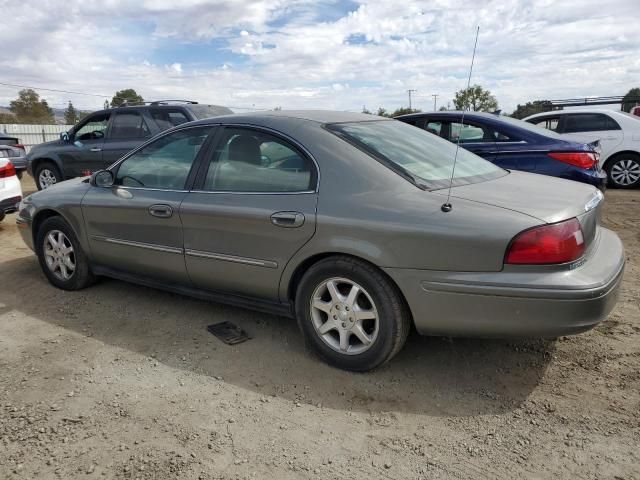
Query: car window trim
{"points": [[198, 186], [113, 168]]}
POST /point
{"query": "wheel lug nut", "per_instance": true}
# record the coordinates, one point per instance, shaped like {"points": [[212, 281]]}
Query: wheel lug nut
{"points": [[344, 325], [346, 308], [335, 317]]}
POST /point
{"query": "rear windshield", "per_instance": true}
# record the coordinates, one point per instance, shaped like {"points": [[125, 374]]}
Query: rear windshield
{"points": [[208, 111], [416, 153], [8, 141]]}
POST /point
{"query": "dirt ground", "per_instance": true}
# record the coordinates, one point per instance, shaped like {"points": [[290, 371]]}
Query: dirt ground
{"points": [[121, 381]]}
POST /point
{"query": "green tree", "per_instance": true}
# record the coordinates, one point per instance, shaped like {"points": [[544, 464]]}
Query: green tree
{"points": [[71, 116], [404, 111], [127, 95], [365, 110], [28, 108], [530, 108], [476, 99], [8, 118], [382, 112], [631, 99], [442, 109]]}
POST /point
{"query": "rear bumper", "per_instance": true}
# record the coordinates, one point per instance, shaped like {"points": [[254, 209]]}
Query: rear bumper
{"points": [[19, 163], [516, 303]]}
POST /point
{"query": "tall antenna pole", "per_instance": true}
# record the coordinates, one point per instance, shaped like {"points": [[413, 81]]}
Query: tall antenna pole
{"points": [[411, 90], [446, 206], [435, 97]]}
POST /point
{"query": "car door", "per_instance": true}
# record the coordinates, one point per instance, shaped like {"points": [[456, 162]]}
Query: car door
{"points": [[128, 130], [83, 153], [515, 151], [587, 127], [134, 225], [253, 207]]}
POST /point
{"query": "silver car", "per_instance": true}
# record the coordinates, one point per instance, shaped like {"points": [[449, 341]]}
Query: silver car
{"points": [[342, 221], [12, 149]]}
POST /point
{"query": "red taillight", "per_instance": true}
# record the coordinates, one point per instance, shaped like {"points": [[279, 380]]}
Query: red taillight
{"points": [[578, 159], [557, 243], [7, 171], [19, 145]]}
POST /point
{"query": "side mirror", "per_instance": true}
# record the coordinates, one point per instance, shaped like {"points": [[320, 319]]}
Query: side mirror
{"points": [[102, 179], [64, 136]]}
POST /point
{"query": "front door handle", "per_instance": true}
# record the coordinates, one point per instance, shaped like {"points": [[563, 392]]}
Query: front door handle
{"points": [[95, 149], [287, 219], [161, 211]]}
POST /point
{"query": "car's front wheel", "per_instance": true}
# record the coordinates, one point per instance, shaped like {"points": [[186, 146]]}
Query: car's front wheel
{"points": [[47, 174], [61, 257], [351, 314], [624, 171]]}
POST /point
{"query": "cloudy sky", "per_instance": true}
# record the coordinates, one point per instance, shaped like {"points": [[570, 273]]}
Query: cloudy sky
{"points": [[319, 53]]}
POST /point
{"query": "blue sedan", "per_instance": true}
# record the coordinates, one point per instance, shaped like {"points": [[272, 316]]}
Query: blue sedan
{"points": [[515, 145]]}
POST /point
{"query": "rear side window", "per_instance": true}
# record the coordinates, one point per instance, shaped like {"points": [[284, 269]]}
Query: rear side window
{"points": [[129, 125], [248, 160], [167, 118], [8, 141], [433, 127], [588, 122]]}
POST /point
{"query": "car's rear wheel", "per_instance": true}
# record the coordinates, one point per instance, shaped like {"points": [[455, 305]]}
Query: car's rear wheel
{"points": [[351, 314], [61, 257], [47, 174], [624, 171]]}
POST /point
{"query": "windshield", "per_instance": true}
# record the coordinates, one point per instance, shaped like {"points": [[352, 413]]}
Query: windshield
{"points": [[420, 155]]}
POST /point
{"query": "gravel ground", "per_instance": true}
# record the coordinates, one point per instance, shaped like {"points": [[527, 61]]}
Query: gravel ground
{"points": [[121, 381]]}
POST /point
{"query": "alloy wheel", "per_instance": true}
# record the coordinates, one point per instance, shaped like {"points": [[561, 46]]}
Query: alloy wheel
{"points": [[626, 172], [59, 255], [46, 178], [344, 316]]}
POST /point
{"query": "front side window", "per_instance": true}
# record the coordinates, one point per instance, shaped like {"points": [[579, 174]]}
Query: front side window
{"points": [[586, 122], [248, 160], [550, 123], [426, 159], [129, 125], [165, 163], [94, 128], [433, 127]]}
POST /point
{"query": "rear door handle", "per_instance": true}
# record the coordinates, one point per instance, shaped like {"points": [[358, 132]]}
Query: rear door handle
{"points": [[161, 211], [95, 149], [287, 219]]}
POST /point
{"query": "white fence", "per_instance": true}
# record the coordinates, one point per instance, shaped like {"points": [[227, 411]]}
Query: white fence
{"points": [[30, 135]]}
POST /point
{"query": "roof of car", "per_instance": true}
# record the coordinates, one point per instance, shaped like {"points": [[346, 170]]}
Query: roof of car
{"points": [[575, 110], [451, 112], [318, 116]]}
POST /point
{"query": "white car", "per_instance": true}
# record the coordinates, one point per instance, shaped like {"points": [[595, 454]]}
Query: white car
{"points": [[10, 189], [618, 132]]}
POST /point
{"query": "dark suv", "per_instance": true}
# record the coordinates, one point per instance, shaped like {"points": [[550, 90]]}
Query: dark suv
{"points": [[104, 136]]}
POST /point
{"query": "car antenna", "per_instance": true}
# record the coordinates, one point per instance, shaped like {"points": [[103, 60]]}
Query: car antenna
{"points": [[446, 206]]}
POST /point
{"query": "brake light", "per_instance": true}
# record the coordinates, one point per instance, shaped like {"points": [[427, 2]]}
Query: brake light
{"points": [[548, 244], [578, 159], [7, 171], [19, 145]]}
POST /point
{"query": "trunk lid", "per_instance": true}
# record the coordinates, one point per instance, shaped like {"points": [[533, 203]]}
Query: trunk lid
{"points": [[547, 199]]}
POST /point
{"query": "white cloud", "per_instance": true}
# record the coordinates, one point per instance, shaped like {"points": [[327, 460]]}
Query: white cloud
{"points": [[294, 54]]}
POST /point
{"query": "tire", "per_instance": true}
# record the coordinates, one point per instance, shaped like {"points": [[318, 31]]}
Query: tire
{"points": [[76, 278], [623, 171], [47, 174], [377, 296]]}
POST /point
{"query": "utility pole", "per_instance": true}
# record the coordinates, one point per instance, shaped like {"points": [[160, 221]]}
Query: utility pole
{"points": [[435, 97], [410, 91]]}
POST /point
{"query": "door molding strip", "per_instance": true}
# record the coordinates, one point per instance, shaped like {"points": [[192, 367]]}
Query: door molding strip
{"points": [[232, 258], [131, 243]]}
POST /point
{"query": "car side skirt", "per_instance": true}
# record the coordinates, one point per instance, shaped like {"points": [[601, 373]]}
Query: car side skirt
{"points": [[257, 304]]}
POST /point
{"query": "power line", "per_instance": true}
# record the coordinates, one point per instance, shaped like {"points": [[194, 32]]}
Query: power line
{"points": [[54, 90], [409, 91]]}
